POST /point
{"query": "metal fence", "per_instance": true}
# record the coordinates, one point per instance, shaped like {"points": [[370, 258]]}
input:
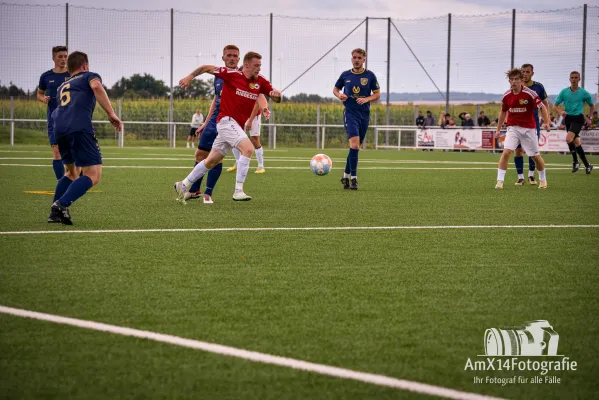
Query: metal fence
{"points": [[452, 58]]}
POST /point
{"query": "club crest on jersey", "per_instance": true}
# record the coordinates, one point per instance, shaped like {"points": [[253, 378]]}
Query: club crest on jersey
{"points": [[523, 101], [254, 86], [363, 81]]}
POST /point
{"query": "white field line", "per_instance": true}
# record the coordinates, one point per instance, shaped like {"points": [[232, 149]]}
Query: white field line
{"points": [[188, 167], [380, 380], [311, 228], [292, 159]]}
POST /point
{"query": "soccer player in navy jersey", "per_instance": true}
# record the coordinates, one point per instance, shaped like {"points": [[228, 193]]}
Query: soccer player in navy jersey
{"points": [[527, 74], [208, 132], [77, 143], [356, 88], [46, 93]]}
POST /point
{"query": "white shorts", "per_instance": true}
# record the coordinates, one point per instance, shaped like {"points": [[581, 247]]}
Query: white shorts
{"points": [[229, 135], [527, 137], [255, 131]]}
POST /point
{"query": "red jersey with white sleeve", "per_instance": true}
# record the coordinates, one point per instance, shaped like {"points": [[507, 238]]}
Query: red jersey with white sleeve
{"points": [[520, 107], [239, 94]]}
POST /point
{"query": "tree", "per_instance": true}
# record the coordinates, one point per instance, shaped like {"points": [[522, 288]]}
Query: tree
{"points": [[198, 88], [145, 86], [309, 98], [12, 90]]}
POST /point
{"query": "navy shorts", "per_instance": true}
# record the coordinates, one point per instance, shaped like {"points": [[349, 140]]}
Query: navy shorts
{"points": [[80, 148], [355, 126], [51, 137], [538, 135], [207, 137]]}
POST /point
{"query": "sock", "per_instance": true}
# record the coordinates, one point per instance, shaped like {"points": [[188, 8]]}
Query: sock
{"points": [[196, 185], [243, 164], [542, 175], [193, 145], [236, 154], [582, 156], [572, 148], [198, 171], [346, 174], [58, 168], [501, 174], [353, 162], [78, 188], [260, 156], [519, 162], [61, 187], [520, 176], [187, 145], [531, 166], [213, 176], [531, 173]]}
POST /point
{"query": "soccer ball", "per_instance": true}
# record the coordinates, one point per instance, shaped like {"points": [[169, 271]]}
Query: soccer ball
{"points": [[321, 164]]}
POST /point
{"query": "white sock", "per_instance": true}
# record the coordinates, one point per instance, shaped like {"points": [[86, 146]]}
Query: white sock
{"points": [[197, 172], [243, 164], [354, 177], [193, 145], [531, 173], [345, 175], [520, 176], [187, 145], [542, 175], [237, 154], [501, 174], [260, 157]]}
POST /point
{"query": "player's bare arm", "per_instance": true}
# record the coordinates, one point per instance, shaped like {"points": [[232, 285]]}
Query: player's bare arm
{"points": [[546, 117], [262, 103], [202, 69], [41, 97], [339, 94], [372, 97], [104, 102], [210, 112], [500, 121], [276, 95], [559, 110]]}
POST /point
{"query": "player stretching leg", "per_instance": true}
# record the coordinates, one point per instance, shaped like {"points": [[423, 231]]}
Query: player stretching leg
{"points": [[208, 132], [527, 73], [240, 91], [357, 84], [74, 133], [46, 93], [574, 98], [518, 105]]}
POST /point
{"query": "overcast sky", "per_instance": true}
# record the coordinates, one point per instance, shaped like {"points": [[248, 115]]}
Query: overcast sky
{"points": [[122, 43]]}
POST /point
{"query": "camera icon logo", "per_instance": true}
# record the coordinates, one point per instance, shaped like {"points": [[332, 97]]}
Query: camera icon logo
{"points": [[533, 338]]}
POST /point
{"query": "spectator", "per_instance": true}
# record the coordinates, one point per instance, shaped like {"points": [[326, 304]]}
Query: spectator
{"points": [[483, 120], [420, 120], [556, 122], [466, 120], [595, 120], [445, 121], [196, 122], [429, 120]]}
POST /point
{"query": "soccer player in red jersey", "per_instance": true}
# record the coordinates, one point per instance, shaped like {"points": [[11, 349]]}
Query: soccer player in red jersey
{"points": [[518, 106], [241, 90]]}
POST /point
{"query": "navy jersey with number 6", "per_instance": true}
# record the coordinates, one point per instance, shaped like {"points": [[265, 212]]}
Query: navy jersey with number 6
{"points": [[356, 85], [76, 103]]}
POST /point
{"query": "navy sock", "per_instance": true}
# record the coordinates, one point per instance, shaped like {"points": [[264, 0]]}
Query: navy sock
{"points": [[519, 161], [353, 162], [196, 186], [531, 164], [61, 187], [582, 156], [77, 189], [347, 163], [572, 148], [213, 176], [58, 168]]}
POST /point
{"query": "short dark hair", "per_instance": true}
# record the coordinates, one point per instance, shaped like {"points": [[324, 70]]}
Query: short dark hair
{"points": [[58, 49], [482, 112], [428, 111], [250, 55], [359, 51], [76, 60], [528, 65], [514, 72], [230, 47], [575, 72]]}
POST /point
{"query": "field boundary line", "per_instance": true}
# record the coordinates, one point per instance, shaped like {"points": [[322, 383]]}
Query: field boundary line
{"points": [[380, 380], [309, 228]]}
